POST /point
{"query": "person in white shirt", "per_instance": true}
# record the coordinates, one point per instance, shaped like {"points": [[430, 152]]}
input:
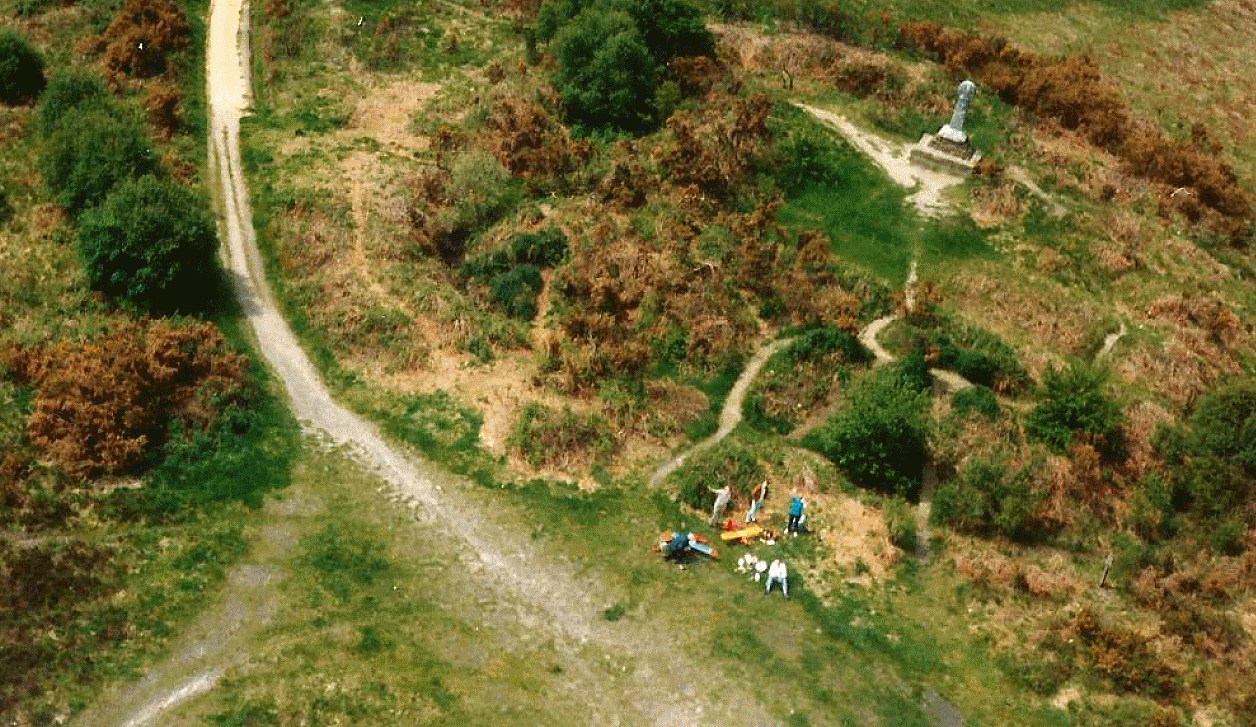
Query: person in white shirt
{"points": [[778, 573]]}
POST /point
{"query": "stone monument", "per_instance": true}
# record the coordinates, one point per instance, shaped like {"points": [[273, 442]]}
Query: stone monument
{"points": [[948, 150]]}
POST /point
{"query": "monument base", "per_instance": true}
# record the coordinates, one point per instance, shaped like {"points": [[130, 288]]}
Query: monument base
{"points": [[943, 155]]}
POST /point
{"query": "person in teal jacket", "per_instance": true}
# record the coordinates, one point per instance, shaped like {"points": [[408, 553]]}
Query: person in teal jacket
{"points": [[796, 507]]}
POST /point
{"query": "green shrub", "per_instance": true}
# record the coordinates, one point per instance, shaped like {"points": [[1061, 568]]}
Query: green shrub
{"points": [[900, 521], [1212, 457], [977, 399], [1072, 401], [68, 91], [979, 356], [989, 498], [914, 371], [21, 70], [726, 463], [151, 244], [606, 76], [544, 248], [89, 153], [820, 342], [672, 28], [878, 435], [515, 291]]}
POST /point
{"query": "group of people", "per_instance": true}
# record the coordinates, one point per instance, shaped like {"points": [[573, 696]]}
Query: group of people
{"points": [[797, 507]]}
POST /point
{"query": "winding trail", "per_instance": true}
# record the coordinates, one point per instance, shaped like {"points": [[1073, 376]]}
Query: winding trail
{"points": [[730, 415]]}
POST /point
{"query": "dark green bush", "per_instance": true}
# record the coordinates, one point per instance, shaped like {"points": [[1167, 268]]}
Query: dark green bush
{"points": [[914, 371], [1072, 402], [979, 356], [151, 244], [515, 291], [726, 463], [21, 70], [606, 76], [977, 399], [671, 28], [488, 265], [878, 435], [544, 248], [89, 153], [819, 342], [71, 91], [989, 498], [1212, 457]]}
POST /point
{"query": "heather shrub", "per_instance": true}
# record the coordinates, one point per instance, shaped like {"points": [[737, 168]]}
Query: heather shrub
{"points": [[549, 438]]}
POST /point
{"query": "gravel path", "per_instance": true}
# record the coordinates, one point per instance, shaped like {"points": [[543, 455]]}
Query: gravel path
{"points": [[730, 415]]}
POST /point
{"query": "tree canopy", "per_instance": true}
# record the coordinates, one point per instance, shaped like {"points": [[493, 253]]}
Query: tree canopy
{"points": [[151, 244], [21, 70]]}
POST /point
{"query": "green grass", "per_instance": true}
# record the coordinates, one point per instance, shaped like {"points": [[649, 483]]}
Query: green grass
{"points": [[833, 187]]}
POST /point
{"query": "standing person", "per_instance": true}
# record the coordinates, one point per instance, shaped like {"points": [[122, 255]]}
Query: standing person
{"points": [[796, 506], [756, 502], [778, 573], [721, 501]]}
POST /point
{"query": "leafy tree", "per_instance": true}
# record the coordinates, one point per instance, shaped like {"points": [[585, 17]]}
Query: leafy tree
{"points": [[89, 153], [878, 435], [1072, 402], [1213, 458], [69, 91], [21, 70], [671, 28], [151, 244], [606, 75]]}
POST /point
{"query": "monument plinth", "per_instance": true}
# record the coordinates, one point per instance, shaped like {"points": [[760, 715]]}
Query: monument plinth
{"points": [[948, 150]]}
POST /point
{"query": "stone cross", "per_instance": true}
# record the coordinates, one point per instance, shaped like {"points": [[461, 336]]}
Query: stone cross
{"points": [[954, 130]]}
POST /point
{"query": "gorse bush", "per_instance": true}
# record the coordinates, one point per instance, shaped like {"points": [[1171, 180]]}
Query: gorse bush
{"points": [[1073, 402], [878, 435], [977, 399], [726, 463], [151, 244], [515, 291], [89, 153], [819, 342], [989, 497], [21, 70], [1212, 457], [544, 248], [72, 90]]}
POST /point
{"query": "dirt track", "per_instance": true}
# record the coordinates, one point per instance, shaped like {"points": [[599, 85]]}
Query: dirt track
{"points": [[536, 595]]}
